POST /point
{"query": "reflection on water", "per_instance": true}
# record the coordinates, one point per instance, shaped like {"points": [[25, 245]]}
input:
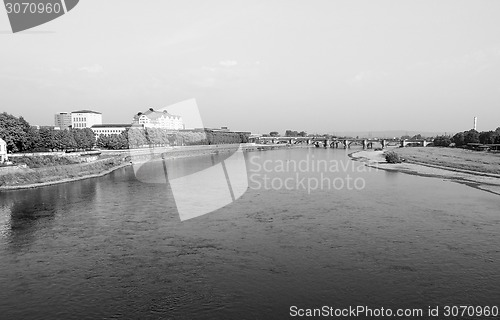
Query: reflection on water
{"points": [[25, 213], [114, 247]]}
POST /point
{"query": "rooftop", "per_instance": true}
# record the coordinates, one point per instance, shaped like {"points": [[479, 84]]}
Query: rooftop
{"points": [[153, 114], [86, 111]]}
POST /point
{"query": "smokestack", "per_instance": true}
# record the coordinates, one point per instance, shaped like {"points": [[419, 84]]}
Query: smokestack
{"points": [[475, 123]]}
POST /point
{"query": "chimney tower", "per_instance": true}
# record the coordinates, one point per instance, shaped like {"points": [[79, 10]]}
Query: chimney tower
{"points": [[475, 123]]}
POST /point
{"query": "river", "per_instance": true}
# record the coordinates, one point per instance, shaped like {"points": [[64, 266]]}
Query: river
{"points": [[114, 246]]}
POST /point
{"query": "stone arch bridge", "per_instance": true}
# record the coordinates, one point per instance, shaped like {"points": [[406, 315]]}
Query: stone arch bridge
{"points": [[345, 143]]}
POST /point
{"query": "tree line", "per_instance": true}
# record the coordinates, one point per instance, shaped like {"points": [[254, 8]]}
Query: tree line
{"points": [[463, 138], [20, 136], [288, 133], [156, 137]]}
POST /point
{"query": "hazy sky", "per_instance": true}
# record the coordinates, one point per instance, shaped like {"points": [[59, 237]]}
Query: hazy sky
{"points": [[319, 66]]}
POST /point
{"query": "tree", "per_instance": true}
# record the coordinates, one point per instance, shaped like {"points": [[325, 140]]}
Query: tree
{"points": [[103, 141], [89, 138], [25, 142], [274, 134], [47, 139], [153, 136], [487, 137], [81, 141], [244, 137], [290, 133], [34, 137], [471, 136], [210, 137], [136, 137], [64, 140], [302, 134], [442, 141], [113, 141], [15, 132], [163, 137], [122, 140], [497, 135], [459, 139]]}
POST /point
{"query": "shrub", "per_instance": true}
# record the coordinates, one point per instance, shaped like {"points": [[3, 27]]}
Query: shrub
{"points": [[392, 157], [42, 161]]}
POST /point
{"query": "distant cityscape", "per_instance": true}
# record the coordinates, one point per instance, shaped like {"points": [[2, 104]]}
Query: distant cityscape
{"points": [[93, 119]]}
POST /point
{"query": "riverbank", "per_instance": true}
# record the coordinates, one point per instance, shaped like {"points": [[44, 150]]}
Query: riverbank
{"points": [[147, 154], [454, 158], [449, 164], [28, 178], [112, 160]]}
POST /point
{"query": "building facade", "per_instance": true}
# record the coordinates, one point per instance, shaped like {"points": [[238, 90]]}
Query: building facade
{"points": [[77, 119], [158, 119], [85, 119], [3, 151], [105, 129], [63, 120]]}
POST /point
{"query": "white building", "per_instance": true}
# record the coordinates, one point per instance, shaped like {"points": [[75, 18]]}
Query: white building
{"points": [[158, 119], [3, 151], [85, 119], [63, 120], [105, 129]]}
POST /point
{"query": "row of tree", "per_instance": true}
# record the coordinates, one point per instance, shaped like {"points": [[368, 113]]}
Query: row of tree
{"points": [[414, 138], [113, 141], [15, 131], [49, 139], [288, 133], [461, 139], [21, 137], [155, 137]]}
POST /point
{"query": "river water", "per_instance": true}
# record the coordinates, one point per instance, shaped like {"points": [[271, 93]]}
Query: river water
{"points": [[114, 247]]}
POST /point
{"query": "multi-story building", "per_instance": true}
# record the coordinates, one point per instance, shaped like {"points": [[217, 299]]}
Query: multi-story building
{"points": [[63, 120], [104, 129], [85, 119], [77, 119], [158, 119]]}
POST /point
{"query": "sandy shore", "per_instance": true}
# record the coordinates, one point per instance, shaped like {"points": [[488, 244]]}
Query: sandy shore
{"points": [[481, 180]]}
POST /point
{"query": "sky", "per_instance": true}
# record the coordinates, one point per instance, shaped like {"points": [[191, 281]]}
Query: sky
{"points": [[260, 66]]}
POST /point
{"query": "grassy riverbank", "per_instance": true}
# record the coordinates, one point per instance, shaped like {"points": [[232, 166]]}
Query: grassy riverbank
{"points": [[475, 169], [47, 175], [453, 158]]}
